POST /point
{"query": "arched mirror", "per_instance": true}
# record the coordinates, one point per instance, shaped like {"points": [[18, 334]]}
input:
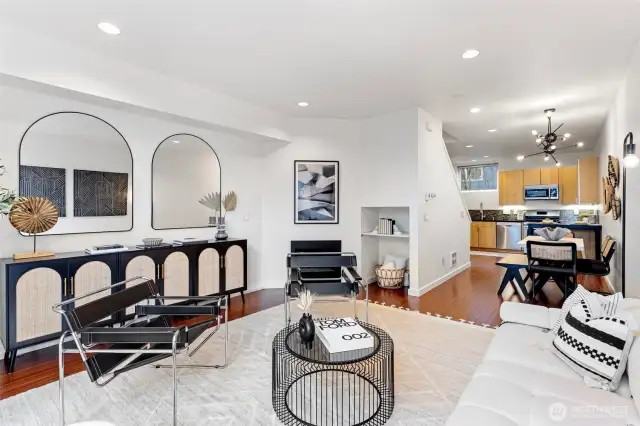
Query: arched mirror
{"points": [[84, 166], [184, 170]]}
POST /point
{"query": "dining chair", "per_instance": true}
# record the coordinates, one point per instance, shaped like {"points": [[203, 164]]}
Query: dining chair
{"points": [[599, 267], [552, 260]]}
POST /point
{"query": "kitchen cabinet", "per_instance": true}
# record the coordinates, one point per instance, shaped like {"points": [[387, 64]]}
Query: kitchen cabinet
{"points": [[29, 288], [589, 181], [483, 235], [568, 184], [474, 234], [531, 177], [511, 190], [549, 176]]}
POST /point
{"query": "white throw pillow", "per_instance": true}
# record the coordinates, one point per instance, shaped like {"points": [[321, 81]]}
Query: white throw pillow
{"points": [[594, 345], [399, 261], [574, 298], [610, 304], [388, 265]]}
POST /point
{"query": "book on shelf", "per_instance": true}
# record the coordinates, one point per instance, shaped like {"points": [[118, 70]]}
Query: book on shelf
{"points": [[342, 335]]}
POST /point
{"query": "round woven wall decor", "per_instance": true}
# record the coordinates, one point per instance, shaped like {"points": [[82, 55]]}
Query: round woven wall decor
{"points": [[33, 215]]}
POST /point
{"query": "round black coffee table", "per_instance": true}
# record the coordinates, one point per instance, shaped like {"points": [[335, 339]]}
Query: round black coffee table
{"points": [[310, 386]]}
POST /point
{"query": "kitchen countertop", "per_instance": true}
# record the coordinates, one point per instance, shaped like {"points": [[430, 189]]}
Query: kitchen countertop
{"points": [[494, 220]]}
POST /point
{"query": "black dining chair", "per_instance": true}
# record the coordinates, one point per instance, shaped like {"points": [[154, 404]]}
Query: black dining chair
{"points": [[599, 267], [552, 260]]}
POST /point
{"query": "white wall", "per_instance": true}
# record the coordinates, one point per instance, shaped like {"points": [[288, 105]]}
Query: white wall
{"points": [[313, 139], [624, 117], [491, 200], [240, 160], [443, 221]]}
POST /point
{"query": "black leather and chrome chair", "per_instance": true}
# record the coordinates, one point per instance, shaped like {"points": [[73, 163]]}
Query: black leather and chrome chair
{"points": [[148, 338], [552, 261], [316, 272], [599, 267]]}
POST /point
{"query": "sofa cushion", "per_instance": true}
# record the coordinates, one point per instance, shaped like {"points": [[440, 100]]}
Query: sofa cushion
{"points": [[595, 346], [632, 307], [521, 313], [504, 393]]}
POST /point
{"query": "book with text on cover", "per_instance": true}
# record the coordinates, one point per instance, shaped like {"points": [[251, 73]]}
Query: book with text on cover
{"points": [[342, 334]]}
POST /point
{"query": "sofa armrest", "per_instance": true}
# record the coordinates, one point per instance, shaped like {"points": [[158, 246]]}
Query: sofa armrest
{"points": [[522, 313]]}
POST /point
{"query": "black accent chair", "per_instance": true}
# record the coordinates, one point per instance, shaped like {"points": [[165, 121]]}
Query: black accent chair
{"points": [[552, 260], [316, 272], [148, 338], [599, 267]]}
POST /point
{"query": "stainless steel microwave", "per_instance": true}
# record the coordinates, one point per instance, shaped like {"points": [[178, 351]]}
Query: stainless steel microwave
{"points": [[541, 192]]}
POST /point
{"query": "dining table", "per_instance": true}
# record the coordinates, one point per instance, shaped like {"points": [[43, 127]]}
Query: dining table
{"points": [[579, 242]]}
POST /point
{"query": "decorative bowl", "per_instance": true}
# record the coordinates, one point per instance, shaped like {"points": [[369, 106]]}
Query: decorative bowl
{"points": [[551, 234], [152, 242]]}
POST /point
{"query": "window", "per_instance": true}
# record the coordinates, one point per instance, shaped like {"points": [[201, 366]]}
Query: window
{"points": [[478, 178]]}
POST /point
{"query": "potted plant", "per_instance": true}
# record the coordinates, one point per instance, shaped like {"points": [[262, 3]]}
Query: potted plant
{"points": [[306, 328], [229, 203]]}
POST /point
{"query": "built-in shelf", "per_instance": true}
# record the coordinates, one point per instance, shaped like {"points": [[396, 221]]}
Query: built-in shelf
{"points": [[375, 234]]}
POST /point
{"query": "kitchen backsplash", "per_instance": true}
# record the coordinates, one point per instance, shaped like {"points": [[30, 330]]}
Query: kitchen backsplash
{"points": [[566, 216]]}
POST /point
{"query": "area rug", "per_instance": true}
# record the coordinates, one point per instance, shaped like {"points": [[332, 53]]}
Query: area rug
{"points": [[434, 361]]}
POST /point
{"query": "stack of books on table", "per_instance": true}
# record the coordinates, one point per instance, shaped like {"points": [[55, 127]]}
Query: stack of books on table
{"points": [[343, 338], [189, 240]]}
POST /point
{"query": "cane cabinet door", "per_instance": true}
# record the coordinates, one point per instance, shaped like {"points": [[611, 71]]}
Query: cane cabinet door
{"points": [[139, 266], [175, 275], [234, 268], [208, 272], [36, 291]]}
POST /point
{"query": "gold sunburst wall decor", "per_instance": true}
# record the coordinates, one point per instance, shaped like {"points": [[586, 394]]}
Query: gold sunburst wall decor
{"points": [[33, 215]]}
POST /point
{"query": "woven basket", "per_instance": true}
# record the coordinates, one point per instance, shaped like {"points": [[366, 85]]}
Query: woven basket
{"points": [[389, 278]]}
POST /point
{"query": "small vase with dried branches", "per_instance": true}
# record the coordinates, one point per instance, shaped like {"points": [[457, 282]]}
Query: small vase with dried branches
{"points": [[229, 203], [306, 327]]}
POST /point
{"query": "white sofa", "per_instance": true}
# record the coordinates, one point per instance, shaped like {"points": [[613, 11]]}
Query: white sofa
{"points": [[521, 382]]}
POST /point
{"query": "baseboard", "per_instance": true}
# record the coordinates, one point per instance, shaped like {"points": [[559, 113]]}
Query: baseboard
{"points": [[436, 283]]}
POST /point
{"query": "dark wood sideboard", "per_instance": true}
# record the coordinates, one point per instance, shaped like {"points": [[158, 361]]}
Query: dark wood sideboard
{"points": [[29, 288]]}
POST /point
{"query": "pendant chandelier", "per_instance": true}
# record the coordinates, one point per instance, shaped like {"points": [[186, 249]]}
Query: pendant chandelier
{"points": [[548, 143]]}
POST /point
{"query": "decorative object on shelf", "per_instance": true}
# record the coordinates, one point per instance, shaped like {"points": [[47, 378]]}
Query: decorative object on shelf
{"points": [[152, 242], [317, 186], [229, 203], [106, 248], [98, 194], [45, 182], [552, 234], [7, 197], [306, 328], [33, 215], [389, 277], [212, 201], [613, 171], [547, 143]]}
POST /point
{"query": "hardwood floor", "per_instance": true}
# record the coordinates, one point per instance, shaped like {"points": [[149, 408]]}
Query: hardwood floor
{"points": [[470, 295]]}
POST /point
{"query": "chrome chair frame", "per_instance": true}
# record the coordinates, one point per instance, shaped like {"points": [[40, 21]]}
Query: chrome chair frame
{"points": [[84, 349], [348, 274]]}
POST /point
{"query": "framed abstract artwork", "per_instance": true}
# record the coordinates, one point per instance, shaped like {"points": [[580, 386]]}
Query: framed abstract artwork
{"points": [[317, 193], [45, 182], [98, 193]]}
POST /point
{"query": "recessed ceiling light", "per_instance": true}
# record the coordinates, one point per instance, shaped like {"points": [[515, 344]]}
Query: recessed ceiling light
{"points": [[303, 104], [468, 146], [567, 135], [486, 156], [470, 54], [493, 130], [175, 141], [474, 110], [109, 28], [473, 161], [534, 132], [580, 144], [520, 157]]}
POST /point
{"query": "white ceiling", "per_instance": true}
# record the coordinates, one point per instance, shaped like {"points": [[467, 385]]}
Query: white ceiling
{"points": [[357, 58]]}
